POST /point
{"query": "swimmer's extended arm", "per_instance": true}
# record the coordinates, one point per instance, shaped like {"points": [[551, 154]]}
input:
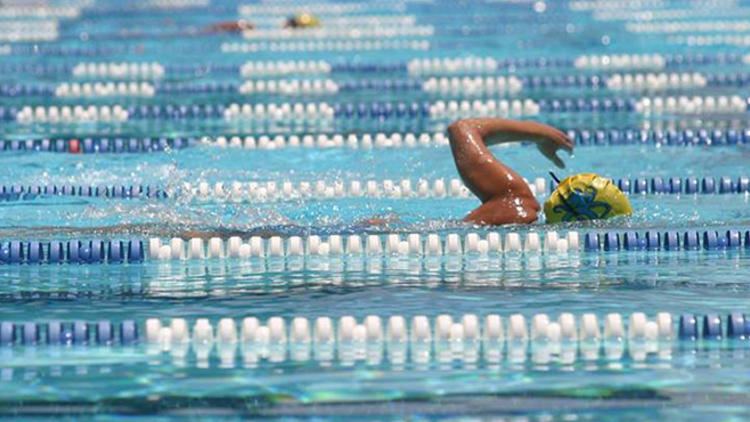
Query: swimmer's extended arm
{"points": [[229, 26], [506, 197]]}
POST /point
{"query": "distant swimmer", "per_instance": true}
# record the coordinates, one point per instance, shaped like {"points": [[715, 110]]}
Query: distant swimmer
{"points": [[505, 196], [302, 20], [230, 27]]}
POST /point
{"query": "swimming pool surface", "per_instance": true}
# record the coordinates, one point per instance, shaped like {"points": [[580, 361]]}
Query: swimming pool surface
{"points": [[200, 224]]}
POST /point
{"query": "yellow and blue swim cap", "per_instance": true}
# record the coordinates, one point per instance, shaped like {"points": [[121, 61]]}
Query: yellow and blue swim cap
{"points": [[303, 20], [586, 196]]}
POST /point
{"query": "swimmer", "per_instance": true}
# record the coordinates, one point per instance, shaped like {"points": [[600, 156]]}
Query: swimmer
{"points": [[302, 20], [506, 197], [230, 26]]}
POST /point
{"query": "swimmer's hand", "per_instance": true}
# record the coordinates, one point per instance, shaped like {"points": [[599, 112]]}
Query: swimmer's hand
{"points": [[549, 140]]}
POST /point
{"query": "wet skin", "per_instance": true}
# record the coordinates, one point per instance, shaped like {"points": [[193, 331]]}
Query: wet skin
{"points": [[229, 26], [505, 196]]}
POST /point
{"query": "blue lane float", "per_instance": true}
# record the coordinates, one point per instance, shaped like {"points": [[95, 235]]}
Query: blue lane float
{"points": [[21, 192], [77, 333], [676, 186], [688, 327], [72, 252], [709, 240], [738, 325], [712, 327]]}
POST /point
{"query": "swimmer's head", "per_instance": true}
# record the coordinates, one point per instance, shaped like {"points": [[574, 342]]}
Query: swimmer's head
{"points": [[585, 196], [302, 20]]}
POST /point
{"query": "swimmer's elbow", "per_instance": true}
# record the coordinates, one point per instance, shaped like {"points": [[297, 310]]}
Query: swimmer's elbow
{"points": [[459, 125], [458, 130], [455, 125]]}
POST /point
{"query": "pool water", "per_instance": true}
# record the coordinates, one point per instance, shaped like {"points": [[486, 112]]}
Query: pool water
{"points": [[67, 345]]}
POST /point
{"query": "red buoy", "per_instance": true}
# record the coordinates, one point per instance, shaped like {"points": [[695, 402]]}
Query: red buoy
{"points": [[74, 147]]}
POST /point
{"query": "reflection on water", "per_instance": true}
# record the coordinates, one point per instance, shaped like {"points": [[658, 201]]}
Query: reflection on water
{"points": [[226, 277], [381, 368]]}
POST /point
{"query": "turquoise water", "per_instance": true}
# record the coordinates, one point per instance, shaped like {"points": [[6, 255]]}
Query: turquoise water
{"points": [[672, 380]]}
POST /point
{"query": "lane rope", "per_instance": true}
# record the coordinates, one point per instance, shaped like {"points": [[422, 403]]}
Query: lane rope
{"points": [[381, 140], [443, 331]]}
